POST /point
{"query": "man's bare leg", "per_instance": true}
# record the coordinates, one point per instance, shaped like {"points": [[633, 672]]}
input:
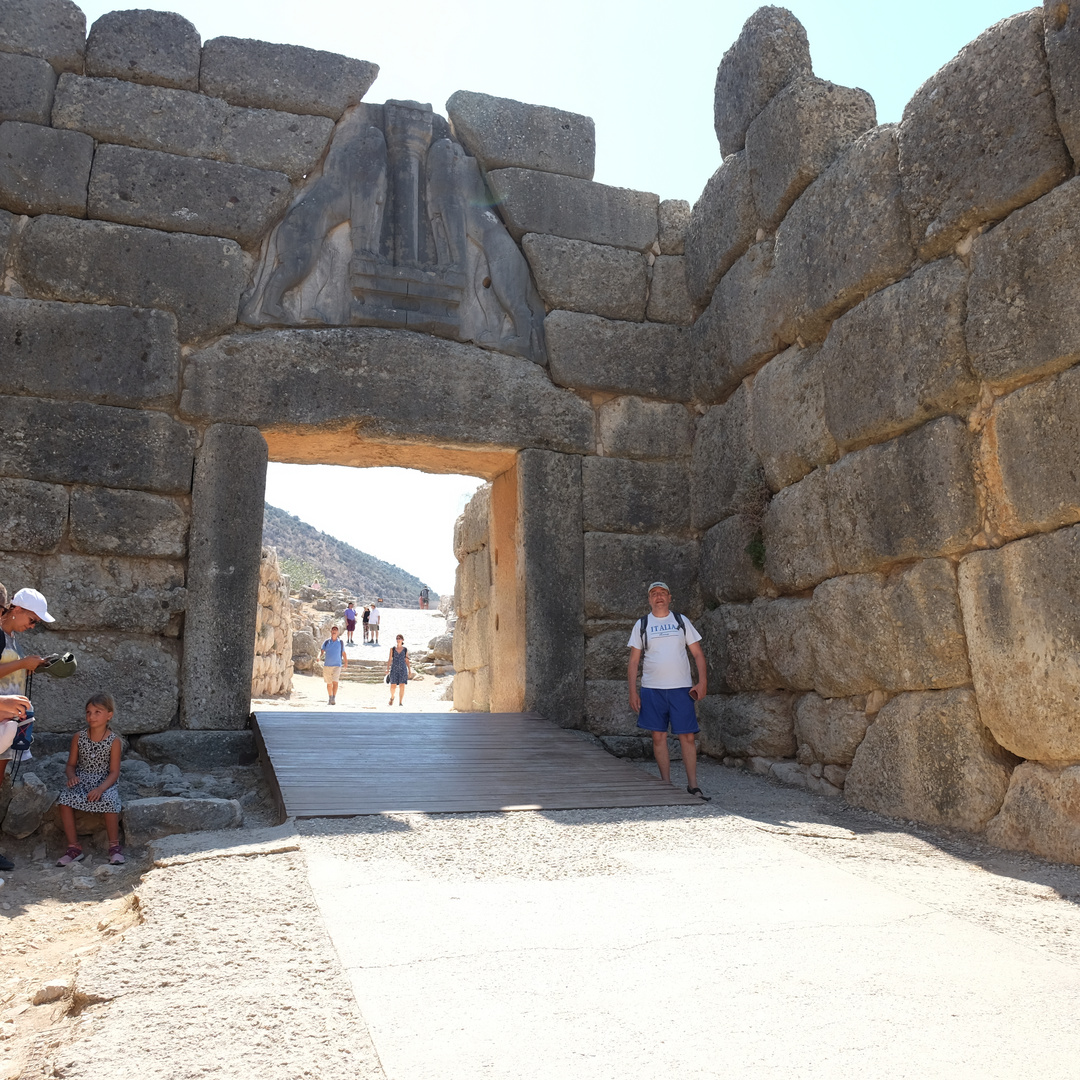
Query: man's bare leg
{"points": [[660, 752], [688, 743]]}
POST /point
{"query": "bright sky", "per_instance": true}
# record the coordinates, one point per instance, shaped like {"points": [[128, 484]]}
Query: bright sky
{"points": [[643, 70]]}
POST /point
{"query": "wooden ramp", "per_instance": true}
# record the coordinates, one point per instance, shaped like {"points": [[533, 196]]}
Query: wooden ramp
{"points": [[340, 764]]}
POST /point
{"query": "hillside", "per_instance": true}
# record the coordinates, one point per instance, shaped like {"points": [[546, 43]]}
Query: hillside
{"points": [[308, 555]]}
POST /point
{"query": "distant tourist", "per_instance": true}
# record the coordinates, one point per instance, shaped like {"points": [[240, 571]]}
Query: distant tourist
{"points": [[334, 659], [93, 768], [367, 630], [373, 621], [350, 623], [398, 669], [425, 597]]}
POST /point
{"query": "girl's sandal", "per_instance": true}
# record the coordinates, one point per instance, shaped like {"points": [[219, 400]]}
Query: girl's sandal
{"points": [[73, 854], [116, 855]]}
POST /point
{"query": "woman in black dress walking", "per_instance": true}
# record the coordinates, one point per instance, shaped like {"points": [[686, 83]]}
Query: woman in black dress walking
{"points": [[398, 669]]}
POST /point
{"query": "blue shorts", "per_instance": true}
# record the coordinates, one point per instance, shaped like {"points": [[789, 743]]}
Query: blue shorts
{"points": [[659, 707]]}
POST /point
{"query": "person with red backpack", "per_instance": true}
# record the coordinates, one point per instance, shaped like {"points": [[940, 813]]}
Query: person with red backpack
{"points": [[668, 692]]}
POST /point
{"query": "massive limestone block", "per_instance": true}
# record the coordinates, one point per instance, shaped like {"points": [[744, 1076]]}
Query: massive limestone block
{"points": [[43, 171], [979, 138], [181, 122], [726, 476], [196, 751], [846, 236], [32, 516], [183, 194], [771, 51], [911, 498], [928, 757], [619, 567], [150, 819], [501, 133], [733, 637], [829, 730], [902, 632], [1022, 616], [795, 530], [790, 434], [787, 627], [1062, 40], [1041, 813], [674, 221], [607, 708], [52, 29], [223, 577], [635, 496], [728, 571], [899, 358], [198, 278], [261, 75], [669, 298], [105, 521], [590, 353], [135, 596], [342, 376], [722, 226], [27, 85], [1033, 450], [578, 276], [159, 48], [749, 725], [607, 654], [89, 352], [472, 530], [141, 673], [1022, 316], [473, 589], [76, 443], [472, 641], [542, 202], [634, 428], [797, 135]]}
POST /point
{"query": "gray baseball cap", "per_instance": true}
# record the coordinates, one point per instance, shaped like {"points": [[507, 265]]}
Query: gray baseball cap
{"points": [[659, 585]]}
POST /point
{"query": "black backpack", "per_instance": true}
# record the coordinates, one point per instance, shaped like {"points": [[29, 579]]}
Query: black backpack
{"points": [[643, 626]]}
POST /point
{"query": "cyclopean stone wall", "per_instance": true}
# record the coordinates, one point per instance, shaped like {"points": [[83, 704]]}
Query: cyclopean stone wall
{"points": [[272, 669], [831, 405], [472, 595]]}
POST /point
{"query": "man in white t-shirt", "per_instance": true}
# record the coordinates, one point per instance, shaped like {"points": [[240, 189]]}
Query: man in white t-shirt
{"points": [[373, 621], [668, 692]]}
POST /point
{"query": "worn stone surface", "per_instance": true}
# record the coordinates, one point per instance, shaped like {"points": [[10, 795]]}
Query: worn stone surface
{"points": [[669, 298], [795, 530], [336, 376], [927, 757], [472, 528], [607, 708], [181, 122], [829, 730], [159, 48], [43, 171], [75, 443], [790, 433], [634, 428], [846, 237], [749, 725], [27, 85], [1022, 320], [727, 569], [290, 78], [578, 276], [183, 194], [722, 226], [89, 352], [913, 497], [542, 202], [31, 799], [787, 627], [502, 133], [1061, 36], [619, 567], [225, 550], [607, 654], [141, 673], [796, 136], [1021, 615], [734, 642], [590, 353], [135, 596], [980, 138], [726, 476], [105, 521], [198, 278], [899, 358], [149, 819], [32, 516], [771, 51], [472, 641], [52, 29], [635, 496], [199, 750], [674, 221], [1041, 813], [902, 632]]}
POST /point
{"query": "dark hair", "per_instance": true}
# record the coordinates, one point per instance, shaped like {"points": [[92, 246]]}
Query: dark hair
{"points": [[400, 637], [104, 700]]}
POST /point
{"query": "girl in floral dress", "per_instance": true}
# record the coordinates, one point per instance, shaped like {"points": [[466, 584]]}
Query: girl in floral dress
{"points": [[93, 769]]}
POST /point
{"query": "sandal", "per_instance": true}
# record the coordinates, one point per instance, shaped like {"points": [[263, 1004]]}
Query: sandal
{"points": [[116, 855], [697, 791], [73, 854]]}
